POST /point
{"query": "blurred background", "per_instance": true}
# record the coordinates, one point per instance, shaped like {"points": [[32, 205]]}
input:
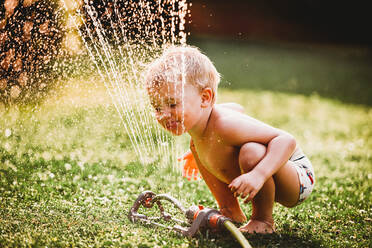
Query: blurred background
{"points": [[287, 20], [306, 47]]}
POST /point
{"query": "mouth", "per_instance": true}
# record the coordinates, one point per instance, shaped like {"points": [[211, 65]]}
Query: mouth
{"points": [[171, 125]]}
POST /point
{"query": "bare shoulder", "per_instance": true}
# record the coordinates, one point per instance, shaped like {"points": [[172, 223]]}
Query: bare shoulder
{"points": [[232, 105], [228, 114], [237, 128], [225, 118]]}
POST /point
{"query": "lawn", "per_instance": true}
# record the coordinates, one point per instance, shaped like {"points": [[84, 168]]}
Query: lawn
{"points": [[68, 173]]}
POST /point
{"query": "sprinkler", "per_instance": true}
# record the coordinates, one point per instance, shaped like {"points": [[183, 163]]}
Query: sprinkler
{"points": [[199, 217]]}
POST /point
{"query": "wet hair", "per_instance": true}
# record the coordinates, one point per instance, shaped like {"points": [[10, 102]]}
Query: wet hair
{"points": [[189, 61]]}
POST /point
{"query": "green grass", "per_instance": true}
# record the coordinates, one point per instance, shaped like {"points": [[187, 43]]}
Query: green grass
{"points": [[68, 171], [68, 177]]}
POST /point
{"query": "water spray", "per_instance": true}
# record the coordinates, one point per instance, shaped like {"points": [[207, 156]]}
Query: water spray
{"points": [[199, 217], [120, 37]]}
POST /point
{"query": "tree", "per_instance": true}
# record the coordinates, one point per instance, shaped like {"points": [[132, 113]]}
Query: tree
{"points": [[30, 41]]}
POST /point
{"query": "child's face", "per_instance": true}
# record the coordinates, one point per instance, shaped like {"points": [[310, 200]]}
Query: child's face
{"points": [[176, 110]]}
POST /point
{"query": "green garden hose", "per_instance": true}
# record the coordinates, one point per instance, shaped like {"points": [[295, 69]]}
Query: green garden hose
{"points": [[237, 234]]}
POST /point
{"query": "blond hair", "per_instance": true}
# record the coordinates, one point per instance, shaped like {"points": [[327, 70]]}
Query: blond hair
{"points": [[179, 63]]}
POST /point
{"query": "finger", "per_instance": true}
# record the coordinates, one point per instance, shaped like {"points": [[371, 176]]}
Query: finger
{"points": [[251, 196], [244, 195], [233, 182], [248, 196], [188, 177], [234, 185], [234, 189], [187, 173], [236, 194], [247, 200], [240, 191], [244, 192], [195, 174]]}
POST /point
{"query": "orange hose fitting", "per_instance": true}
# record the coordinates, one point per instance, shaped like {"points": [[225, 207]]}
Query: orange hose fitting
{"points": [[213, 220]]}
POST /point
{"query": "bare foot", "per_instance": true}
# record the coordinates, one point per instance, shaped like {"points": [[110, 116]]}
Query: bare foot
{"points": [[257, 226]]}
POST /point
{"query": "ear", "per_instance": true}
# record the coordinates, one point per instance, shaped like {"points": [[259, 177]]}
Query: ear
{"points": [[207, 97]]}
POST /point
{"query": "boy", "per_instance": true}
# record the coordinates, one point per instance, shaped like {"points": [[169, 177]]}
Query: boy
{"points": [[238, 156]]}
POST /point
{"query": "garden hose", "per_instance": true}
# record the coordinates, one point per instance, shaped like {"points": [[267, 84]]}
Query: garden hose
{"points": [[213, 219], [237, 234]]}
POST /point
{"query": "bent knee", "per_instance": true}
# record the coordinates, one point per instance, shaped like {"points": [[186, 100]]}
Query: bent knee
{"points": [[250, 155]]}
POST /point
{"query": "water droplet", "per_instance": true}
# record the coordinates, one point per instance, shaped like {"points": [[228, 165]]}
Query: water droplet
{"points": [[68, 166], [8, 132]]}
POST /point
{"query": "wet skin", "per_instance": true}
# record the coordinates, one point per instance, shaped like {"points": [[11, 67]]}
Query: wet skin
{"points": [[236, 154]]}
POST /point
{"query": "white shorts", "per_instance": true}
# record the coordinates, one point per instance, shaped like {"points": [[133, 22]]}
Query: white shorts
{"points": [[305, 173]]}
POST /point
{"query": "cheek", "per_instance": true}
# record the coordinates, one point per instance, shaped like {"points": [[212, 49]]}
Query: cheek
{"points": [[178, 113], [187, 118]]}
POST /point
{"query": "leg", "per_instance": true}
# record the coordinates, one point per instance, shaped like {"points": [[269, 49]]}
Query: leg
{"points": [[261, 220], [283, 187], [286, 182], [229, 205], [287, 185]]}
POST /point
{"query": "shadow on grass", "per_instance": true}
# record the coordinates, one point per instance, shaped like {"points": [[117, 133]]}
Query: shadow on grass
{"points": [[226, 240], [283, 240], [342, 73]]}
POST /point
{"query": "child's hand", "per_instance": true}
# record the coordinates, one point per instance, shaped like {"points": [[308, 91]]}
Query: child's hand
{"points": [[190, 169], [246, 185]]}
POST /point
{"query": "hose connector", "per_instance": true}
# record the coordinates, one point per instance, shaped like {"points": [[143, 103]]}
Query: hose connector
{"points": [[201, 217]]}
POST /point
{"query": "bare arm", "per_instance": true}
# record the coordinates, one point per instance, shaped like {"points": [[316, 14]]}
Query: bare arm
{"points": [[237, 130], [278, 152]]}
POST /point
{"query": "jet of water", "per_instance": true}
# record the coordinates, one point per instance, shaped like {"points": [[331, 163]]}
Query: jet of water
{"points": [[121, 37]]}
